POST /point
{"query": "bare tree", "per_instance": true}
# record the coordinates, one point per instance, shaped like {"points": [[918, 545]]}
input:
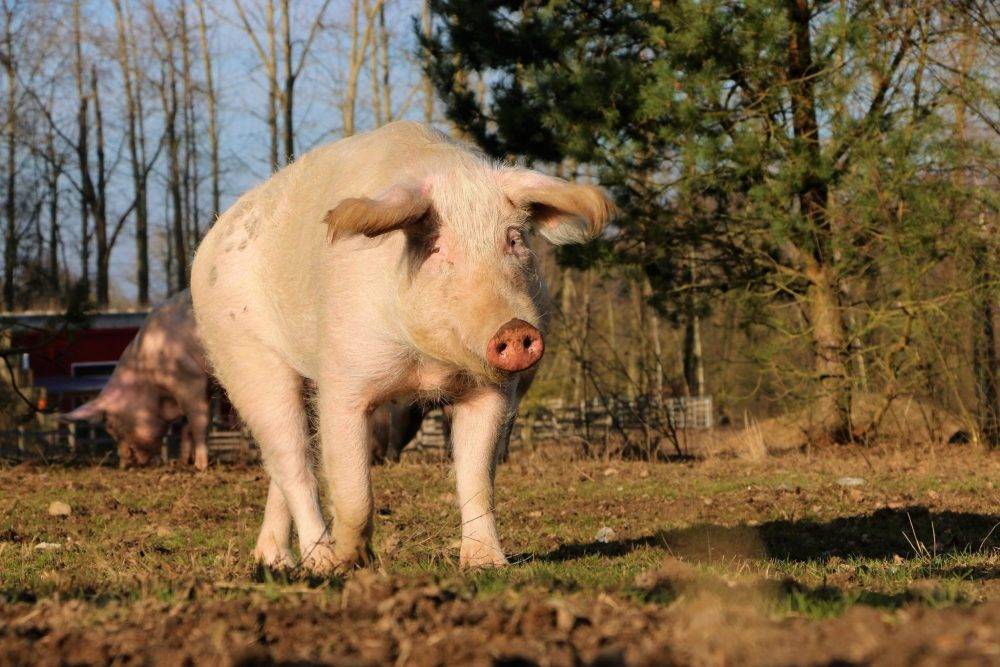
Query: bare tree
{"points": [[82, 149], [10, 127], [210, 95], [136, 138], [293, 69], [426, 28], [190, 180], [359, 47], [268, 56], [169, 100]]}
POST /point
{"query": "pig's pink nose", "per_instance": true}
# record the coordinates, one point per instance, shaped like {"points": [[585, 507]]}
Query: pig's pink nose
{"points": [[517, 346]]}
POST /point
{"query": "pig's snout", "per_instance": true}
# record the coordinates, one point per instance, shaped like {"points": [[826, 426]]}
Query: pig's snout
{"points": [[517, 346]]}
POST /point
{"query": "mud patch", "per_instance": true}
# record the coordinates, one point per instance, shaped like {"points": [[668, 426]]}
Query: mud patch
{"points": [[376, 620]]}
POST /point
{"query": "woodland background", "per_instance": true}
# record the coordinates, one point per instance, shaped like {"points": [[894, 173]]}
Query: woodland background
{"points": [[808, 187]]}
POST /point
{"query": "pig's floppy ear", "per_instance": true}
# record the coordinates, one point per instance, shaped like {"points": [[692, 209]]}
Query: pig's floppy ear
{"points": [[92, 411], [563, 212], [395, 209]]}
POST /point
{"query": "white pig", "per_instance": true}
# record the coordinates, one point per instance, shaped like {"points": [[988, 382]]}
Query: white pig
{"points": [[389, 264]]}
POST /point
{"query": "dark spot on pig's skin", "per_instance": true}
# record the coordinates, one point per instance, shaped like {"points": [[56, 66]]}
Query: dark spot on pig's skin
{"points": [[213, 275], [232, 315], [243, 245], [227, 247], [252, 225]]}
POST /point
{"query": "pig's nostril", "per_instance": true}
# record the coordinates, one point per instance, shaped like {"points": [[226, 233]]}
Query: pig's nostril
{"points": [[528, 340], [501, 347]]}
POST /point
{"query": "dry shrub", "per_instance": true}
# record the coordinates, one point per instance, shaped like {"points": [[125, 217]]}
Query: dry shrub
{"points": [[751, 441]]}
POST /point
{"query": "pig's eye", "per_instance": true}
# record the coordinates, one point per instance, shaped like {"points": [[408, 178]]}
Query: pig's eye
{"points": [[515, 240]]}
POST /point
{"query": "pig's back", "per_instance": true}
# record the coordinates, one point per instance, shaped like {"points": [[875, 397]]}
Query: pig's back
{"points": [[257, 269]]}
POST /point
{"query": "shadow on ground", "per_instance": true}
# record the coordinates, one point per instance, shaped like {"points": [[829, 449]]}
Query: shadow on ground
{"points": [[879, 535]]}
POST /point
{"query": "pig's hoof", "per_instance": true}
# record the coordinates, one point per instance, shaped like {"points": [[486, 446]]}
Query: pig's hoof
{"points": [[356, 557], [201, 460], [274, 557], [320, 559], [477, 555]]}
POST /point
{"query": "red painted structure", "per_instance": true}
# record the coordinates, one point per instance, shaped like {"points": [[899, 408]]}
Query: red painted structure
{"points": [[72, 365]]}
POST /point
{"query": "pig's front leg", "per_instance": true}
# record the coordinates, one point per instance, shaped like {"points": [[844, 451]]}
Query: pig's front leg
{"points": [[477, 420], [273, 547], [346, 434]]}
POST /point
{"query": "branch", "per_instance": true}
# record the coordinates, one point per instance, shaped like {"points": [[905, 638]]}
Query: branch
{"points": [[313, 31]]}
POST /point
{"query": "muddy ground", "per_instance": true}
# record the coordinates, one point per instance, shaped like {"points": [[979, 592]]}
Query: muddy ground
{"points": [[843, 557]]}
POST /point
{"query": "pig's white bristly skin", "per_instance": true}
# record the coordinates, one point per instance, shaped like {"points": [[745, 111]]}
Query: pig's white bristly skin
{"points": [[379, 302]]}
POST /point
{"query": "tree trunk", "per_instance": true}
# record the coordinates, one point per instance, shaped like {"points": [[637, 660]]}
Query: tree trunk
{"points": [[142, 201], [269, 61], [383, 41], [359, 47], [138, 175], [694, 365], [426, 27], [54, 174], [213, 130], [190, 180], [272, 84], [82, 152], [566, 297], [654, 335], [834, 401], [638, 357], [373, 77], [168, 95], [986, 357], [822, 295], [10, 198], [349, 103], [288, 99], [99, 203]]}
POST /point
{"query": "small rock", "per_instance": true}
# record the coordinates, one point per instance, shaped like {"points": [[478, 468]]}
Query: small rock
{"points": [[59, 508], [707, 502], [644, 473], [851, 481], [608, 472], [47, 546], [535, 514], [164, 532], [604, 535]]}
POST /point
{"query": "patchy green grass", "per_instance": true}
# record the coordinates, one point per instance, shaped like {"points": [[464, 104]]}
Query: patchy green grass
{"points": [[782, 535]]}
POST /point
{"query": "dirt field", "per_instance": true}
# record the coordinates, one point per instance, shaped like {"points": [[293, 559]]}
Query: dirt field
{"points": [[786, 561]]}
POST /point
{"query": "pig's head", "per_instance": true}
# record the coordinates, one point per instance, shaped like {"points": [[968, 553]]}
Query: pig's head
{"points": [[470, 294], [136, 422]]}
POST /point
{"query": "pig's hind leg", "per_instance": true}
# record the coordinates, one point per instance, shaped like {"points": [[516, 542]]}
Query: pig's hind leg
{"points": [[196, 410], [268, 394]]}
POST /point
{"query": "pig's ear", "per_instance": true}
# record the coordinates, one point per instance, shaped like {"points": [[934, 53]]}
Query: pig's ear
{"points": [[396, 208], [563, 212], [91, 411]]}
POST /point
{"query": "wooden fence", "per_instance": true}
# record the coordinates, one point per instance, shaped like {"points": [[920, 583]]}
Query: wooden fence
{"points": [[586, 423]]}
